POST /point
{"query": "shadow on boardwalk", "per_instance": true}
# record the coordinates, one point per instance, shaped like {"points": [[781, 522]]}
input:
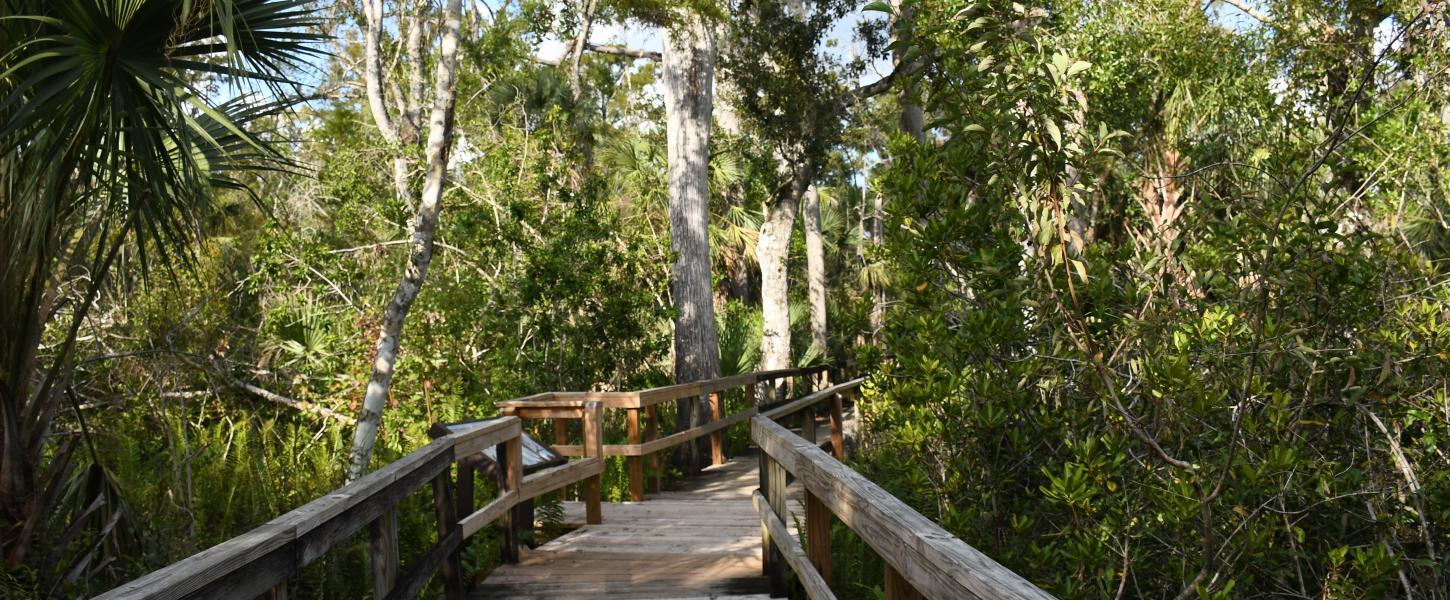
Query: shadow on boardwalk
{"points": [[699, 539]]}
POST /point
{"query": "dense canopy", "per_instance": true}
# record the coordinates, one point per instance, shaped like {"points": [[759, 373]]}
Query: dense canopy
{"points": [[1150, 296]]}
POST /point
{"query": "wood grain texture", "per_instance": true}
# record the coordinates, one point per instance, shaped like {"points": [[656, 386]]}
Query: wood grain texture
{"points": [[699, 539], [777, 412], [791, 551], [818, 534], [930, 559], [252, 563]]}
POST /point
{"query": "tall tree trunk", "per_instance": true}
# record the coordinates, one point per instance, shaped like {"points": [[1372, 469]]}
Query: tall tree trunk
{"points": [[772, 252], [815, 268], [689, 67], [878, 291], [911, 121], [420, 253], [913, 118]]}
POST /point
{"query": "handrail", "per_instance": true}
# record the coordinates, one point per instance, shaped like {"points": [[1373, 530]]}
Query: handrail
{"points": [[922, 558], [264, 558], [643, 442]]}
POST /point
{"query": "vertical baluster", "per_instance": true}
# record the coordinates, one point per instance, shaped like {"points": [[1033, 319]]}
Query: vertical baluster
{"points": [[808, 424], [511, 461], [818, 535], [838, 436], [652, 433], [772, 486], [717, 437], [897, 588], [635, 464], [383, 549], [593, 448], [452, 569]]}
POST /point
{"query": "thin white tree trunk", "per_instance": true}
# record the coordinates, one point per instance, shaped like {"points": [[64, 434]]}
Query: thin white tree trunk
{"points": [[815, 267], [689, 66], [413, 113], [373, 70], [420, 253]]}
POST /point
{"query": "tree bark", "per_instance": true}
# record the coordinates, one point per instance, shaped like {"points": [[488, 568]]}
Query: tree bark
{"points": [[373, 70], [688, 68], [913, 118], [878, 292], [815, 268], [772, 252], [420, 254], [581, 41]]}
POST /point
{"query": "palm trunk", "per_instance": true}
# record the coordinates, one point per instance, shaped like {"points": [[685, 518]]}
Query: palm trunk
{"points": [[815, 268], [420, 254], [689, 65]]}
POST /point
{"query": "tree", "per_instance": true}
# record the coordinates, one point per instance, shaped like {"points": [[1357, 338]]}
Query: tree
{"points": [[795, 96], [421, 237], [1131, 234], [689, 68], [110, 141], [815, 269]]}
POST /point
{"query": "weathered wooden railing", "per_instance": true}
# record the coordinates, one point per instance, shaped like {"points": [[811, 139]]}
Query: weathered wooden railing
{"points": [[642, 407], [262, 560], [922, 559]]}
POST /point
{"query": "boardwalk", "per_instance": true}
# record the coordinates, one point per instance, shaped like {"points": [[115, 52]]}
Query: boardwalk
{"points": [[700, 539], [704, 538]]}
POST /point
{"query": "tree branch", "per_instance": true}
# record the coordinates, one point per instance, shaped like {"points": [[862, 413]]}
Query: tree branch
{"points": [[623, 51], [1251, 11], [881, 86], [315, 409]]}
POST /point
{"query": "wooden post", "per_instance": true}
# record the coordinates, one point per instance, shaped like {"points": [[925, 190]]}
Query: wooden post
{"points": [[897, 588], [652, 433], [383, 548], [717, 437], [750, 398], [467, 468], [818, 535], [452, 568], [561, 431], [772, 484], [808, 424], [635, 464], [593, 448], [511, 459], [838, 435], [561, 438]]}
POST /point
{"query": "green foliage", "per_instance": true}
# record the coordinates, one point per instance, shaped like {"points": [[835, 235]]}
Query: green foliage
{"points": [[1239, 398]]}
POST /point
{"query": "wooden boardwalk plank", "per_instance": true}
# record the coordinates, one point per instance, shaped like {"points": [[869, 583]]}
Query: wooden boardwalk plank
{"points": [[698, 540]]}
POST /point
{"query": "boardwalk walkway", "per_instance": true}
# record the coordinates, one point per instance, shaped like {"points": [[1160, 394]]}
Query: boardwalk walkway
{"points": [[704, 538], [698, 540]]}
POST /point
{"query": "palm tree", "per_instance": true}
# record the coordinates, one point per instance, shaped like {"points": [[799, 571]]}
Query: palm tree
{"points": [[111, 137]]}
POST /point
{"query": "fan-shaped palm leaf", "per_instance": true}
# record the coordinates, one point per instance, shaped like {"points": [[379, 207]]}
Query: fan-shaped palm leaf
{"points": [[108, 138]]}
